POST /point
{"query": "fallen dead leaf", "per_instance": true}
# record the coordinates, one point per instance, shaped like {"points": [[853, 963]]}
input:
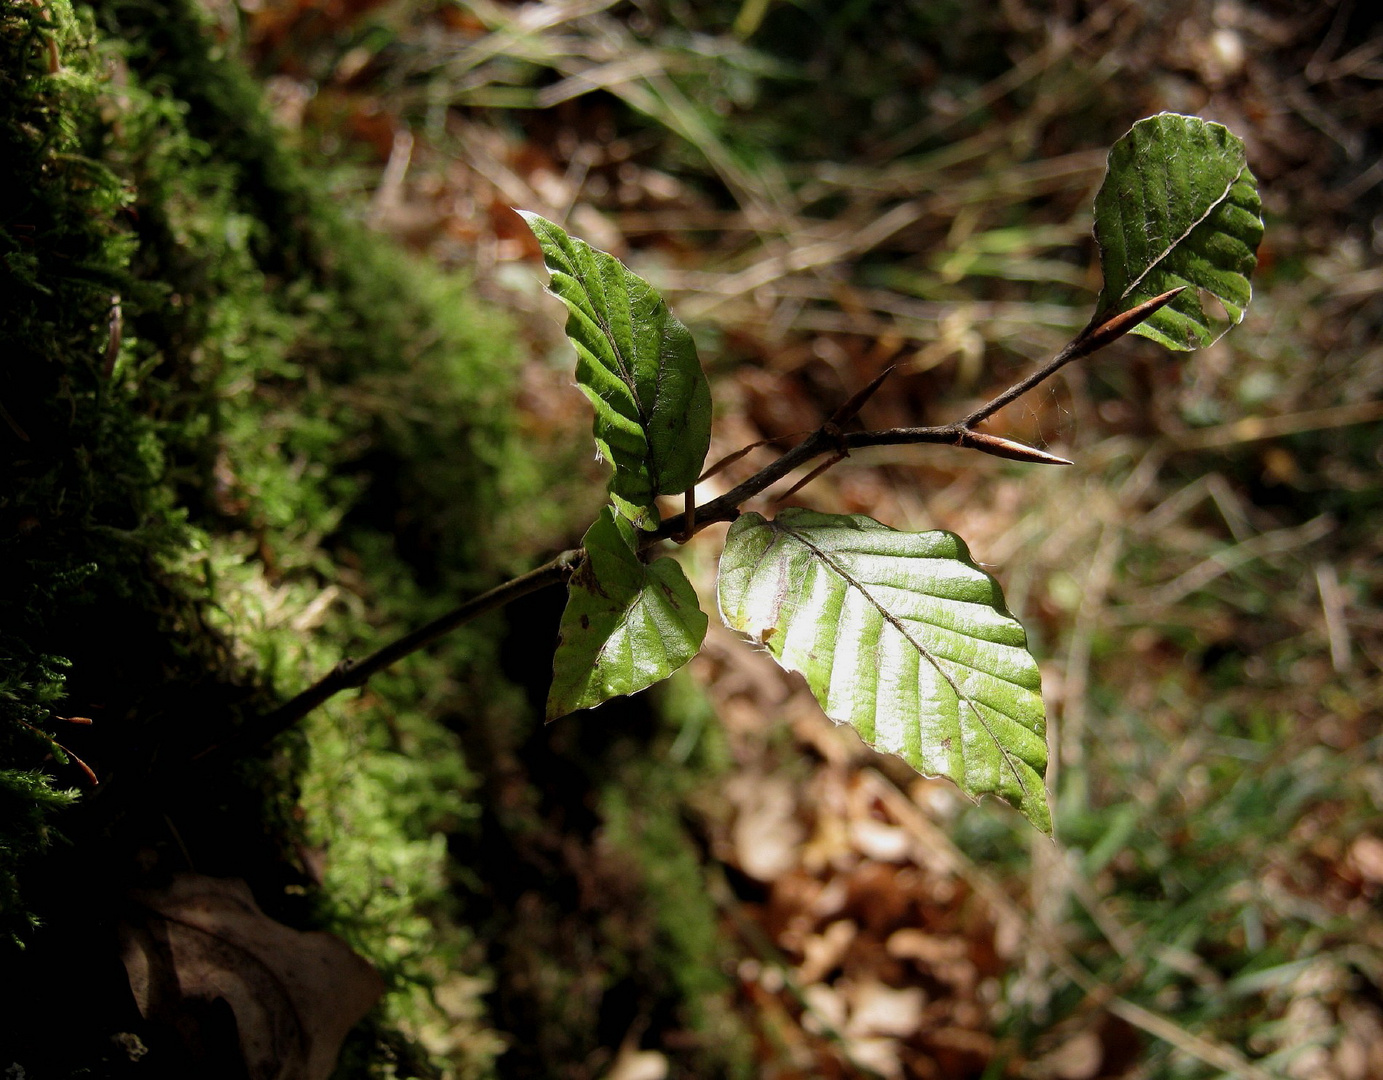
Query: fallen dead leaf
{"points": [[876, 1009], [825, 1009], [634, 1064], [884, 843], [766, 833], [822, 953], [294, 994], [1366, 855], [1359, 1053], [927, 949], [1078, 1058], [880, 1056]]}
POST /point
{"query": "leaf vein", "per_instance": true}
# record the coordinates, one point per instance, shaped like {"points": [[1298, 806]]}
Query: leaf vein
{"points": [[922, 650]]}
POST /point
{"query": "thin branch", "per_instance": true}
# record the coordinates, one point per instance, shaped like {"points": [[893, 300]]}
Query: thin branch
{"points": [[744, 451], [850, 409], [349, 673], [834, 459], [1096, 336]]}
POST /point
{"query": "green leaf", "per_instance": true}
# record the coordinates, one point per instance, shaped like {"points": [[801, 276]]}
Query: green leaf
{"points": [[901, 636], [1179, 207], [637, 364], [627, 624]]}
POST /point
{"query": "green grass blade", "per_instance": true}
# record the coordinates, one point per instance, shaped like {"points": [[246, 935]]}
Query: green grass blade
{"points": [[627, 624], [637, 364], [901, 636], [1179, 207]]}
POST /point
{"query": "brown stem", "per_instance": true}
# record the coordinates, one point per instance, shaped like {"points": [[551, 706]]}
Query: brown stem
{"points": [[1100, 331], [827, 438], [352, 673], [86, 769]]}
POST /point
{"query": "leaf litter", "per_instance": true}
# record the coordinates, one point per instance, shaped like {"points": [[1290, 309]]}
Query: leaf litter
{"points": [[293, 994]]}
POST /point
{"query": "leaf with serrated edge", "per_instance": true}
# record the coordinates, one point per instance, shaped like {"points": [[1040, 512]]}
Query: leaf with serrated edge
{"points": [[1178, 207], [901, 636], [627, 624], [637, 364]]}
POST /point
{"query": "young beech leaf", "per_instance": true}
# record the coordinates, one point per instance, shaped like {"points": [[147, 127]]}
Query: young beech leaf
{"points": [[627, 624], [637, 364], [901, 636], [1178, 207]]}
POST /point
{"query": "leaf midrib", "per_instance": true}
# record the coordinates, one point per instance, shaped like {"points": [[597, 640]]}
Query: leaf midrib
{"points": [[1172, 247], [625, 374], [922, 650]]}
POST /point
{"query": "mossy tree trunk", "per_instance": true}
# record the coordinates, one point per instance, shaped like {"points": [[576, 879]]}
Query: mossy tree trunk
{"points": [[241, 438]]}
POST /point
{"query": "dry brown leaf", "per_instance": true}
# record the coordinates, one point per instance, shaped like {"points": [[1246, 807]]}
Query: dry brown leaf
{"points": [[767, 834], [1366, 855], [635, 1064], [1078, 1058], [876, 1009], [927, 949], [822, 953], [825, 1009], [879, 1056], [294, 994], [883, 843]]}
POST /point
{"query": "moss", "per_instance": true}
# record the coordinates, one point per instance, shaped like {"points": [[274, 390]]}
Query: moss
{"points": [[280, 442], [297, 445], [643, 819], [84, 521]]}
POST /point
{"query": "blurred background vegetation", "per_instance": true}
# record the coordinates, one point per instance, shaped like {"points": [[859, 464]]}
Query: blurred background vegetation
{"points": [[281, 382]]}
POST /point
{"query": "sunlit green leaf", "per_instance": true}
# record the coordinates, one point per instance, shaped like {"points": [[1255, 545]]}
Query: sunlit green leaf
{"points": [[627, 624], [901, 636], [1179, 207], [637, 364]]}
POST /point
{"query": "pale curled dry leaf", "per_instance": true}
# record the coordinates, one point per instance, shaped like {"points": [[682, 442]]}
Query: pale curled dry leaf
{"points": [[880, 1010], [635, 1064], [295, 994], [1366, 856], [1079, 1058], [823, 952], [767, 834]]}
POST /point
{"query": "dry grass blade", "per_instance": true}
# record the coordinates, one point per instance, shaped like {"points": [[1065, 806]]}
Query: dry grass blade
{"points": [[1333, 607], [1211, 1052], [507, 31], [849, 243], [1256, 428], [1059, 46], [1223, 562]]}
